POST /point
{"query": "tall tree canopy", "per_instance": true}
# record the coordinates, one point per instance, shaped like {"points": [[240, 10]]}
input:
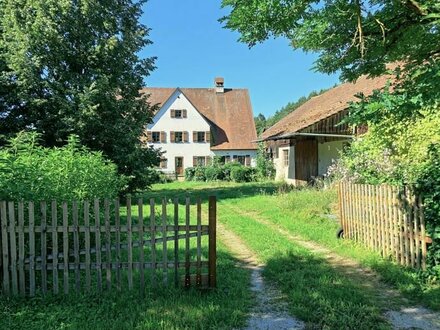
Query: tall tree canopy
{"points": [[72, 67], [357, 37]]}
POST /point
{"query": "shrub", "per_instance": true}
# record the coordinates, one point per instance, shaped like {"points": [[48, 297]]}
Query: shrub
{"points": [[199, 173], [189, 173], [242, 174], [31, 172], [265, 169], [214, 173], [227, 169]]}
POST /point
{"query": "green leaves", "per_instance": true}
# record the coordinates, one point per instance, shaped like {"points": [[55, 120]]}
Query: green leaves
{"points": [[72, 67]]}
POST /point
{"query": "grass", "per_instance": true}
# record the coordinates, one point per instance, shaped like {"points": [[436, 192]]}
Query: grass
{"points": [[165, 308], [315, 292]]}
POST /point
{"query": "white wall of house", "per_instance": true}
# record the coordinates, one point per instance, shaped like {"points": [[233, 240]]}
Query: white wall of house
{"points": [[194, 122], [285, 172], [328, 152]]}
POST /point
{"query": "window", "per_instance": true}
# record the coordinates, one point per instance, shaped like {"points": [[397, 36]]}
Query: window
{"points": [[200, 136], [178, 113], [286, 157], [199, 161], [241, 159], [155, 137], [163, 163], [178, 137]]}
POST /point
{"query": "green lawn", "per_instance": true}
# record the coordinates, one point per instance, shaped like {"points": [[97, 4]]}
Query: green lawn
{"points": [[316, 293]]}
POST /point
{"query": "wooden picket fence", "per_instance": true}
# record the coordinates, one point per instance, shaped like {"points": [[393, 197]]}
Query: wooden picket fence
{"points": [[387, 219], [45, 244]]}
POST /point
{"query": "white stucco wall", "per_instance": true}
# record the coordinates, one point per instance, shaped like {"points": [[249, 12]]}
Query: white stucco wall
{"points": [[163, 122], [328, 152]]}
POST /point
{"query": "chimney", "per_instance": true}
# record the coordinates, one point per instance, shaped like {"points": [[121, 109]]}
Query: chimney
{"points": [[219, 85]]}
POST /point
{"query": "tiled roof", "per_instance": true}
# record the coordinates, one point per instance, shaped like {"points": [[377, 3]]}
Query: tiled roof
{"points": [[229, 114], [324, 105]]}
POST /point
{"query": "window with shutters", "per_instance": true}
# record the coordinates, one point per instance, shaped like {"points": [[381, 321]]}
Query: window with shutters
{"points": [[200, 137], [155, 137], [178, 137], [178, 113], [241, 159]]}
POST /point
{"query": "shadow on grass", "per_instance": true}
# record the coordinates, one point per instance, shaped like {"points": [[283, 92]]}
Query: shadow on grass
{"points": [[322, 297], [164, 308], [204, 191]]}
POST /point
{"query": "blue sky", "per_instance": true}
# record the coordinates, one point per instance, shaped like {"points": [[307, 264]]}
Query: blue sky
{"points": [[193, 48]]}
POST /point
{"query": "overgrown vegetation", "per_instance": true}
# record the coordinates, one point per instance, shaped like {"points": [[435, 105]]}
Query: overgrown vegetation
{"points": [[74, 67], [232, 171], [31, 172]]}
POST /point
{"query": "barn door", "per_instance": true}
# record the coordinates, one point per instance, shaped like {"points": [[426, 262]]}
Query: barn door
{"points": [[306, 160]]}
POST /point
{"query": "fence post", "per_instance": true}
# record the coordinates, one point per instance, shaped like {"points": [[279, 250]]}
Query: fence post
{"points": [[212, 267]]}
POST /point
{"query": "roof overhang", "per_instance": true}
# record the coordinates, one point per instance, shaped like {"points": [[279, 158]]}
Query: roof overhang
{"points": [[295, 134]]}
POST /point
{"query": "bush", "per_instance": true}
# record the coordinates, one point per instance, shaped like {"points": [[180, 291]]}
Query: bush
{"points": [[265, 169], [214, 173], [199, 173], [242, 174], [189, 173], [31, 172]]}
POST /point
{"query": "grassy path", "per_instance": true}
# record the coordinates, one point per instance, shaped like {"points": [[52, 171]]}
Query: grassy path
{"points": [[270, 311], [389, 300]]}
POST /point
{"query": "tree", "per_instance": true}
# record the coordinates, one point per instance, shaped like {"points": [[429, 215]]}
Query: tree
{"points": [[72, 67], [260, 123]]}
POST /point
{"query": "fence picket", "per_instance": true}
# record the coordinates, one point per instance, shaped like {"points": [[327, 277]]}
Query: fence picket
{"points": [[130, 245], [76, 244], [141, 245], [43, 248], [31, 249], [118, 244], [54, 247], [98, 266], [212, 268], [13, 244], [21, 272], [153, 242], [164, 245], [88, 259], [65, 248], [199, 242], [176, 242], [187, 246], [5, 251], [422, 233], [108, 271]]}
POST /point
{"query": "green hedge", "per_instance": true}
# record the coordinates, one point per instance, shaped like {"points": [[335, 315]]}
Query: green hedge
{"points": [[229, 172], [31, 172]]}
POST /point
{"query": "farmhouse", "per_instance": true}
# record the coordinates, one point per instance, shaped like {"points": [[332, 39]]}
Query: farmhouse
{"points": [[307, 141], [193, 125]]}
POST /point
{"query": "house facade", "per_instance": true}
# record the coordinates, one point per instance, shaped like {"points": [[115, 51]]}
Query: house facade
{"points": [[193, 125], [309, 140]]}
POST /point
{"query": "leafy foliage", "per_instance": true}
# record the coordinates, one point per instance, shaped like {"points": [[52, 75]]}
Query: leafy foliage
{"points": [[72, 67], [33, 173], [232, 171], [265, 168]]}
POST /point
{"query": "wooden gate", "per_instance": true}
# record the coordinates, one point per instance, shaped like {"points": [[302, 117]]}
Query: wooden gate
{"points": [[63, 246]]}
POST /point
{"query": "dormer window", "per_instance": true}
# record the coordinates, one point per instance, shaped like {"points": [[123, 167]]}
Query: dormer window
{"points": [[178, 113]]}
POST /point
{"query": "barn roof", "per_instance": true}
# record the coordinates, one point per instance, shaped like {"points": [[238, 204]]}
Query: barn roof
{"points": [[323, 106]]}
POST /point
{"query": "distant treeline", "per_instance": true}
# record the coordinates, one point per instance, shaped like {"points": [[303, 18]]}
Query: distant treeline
{"points": [[262, 123]]}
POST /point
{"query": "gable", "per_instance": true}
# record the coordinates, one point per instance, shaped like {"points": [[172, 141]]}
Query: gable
{"points": [[163, 119], [229, 114]]}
